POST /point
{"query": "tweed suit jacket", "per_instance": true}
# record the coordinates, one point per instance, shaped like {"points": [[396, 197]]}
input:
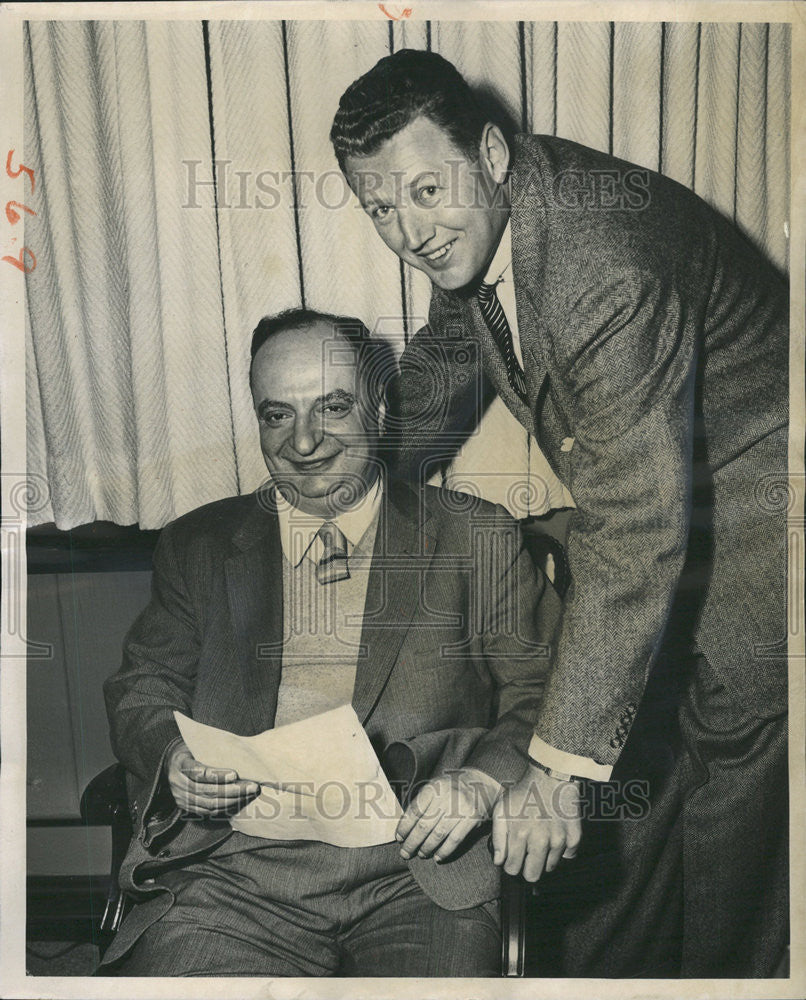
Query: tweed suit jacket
{"points": [[450, 674], [655, 343]]}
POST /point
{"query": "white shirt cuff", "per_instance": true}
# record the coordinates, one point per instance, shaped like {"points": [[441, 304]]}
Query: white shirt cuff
{"points": [[567, 763]]}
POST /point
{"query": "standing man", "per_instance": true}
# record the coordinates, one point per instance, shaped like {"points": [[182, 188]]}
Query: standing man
{"points": [[644, 342], [333, 586]]}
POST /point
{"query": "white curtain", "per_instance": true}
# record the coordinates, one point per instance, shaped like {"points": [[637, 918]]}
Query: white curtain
{"points": [[129, 411], [150, 278]]}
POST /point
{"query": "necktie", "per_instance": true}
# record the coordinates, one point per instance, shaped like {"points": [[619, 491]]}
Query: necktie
{"points": [[332, 567], [496, 320]]}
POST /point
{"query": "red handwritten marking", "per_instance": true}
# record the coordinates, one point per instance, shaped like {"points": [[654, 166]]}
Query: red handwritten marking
{"points": [[14, 216], [21, 262], [20, 170], [406, 12]]}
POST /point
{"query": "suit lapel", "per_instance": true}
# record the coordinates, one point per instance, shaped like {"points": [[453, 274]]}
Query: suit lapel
{"points": [[528, 224], [529, 221], [402, 554], [529, 334], [255, 591]]}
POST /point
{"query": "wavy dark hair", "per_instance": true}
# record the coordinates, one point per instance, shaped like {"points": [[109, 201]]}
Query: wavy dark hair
{"points": [[399, 88]]}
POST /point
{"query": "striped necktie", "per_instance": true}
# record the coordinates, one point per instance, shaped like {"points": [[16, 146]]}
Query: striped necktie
{"points": [[332, 567], [496, 320]]}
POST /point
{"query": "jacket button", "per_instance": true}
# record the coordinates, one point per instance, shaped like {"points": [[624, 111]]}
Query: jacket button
{"points": [[164, 853]]}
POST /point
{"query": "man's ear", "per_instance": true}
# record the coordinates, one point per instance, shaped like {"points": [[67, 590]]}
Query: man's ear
{"points": [[494, 153]]}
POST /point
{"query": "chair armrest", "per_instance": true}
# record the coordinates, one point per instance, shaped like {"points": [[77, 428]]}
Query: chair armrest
{"points": [[103, 795], [542, 546], [515, 893], [105, 801]]}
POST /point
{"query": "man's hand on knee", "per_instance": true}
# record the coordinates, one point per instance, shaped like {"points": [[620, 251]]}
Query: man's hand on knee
{"points": [[444, 812], [535, 823], [205, 791]]}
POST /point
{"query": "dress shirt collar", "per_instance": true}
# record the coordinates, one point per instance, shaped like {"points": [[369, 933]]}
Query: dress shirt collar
{"points": [[501, 263], [298, 529]]}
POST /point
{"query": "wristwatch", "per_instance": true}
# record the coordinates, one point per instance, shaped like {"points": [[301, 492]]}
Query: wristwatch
{"points": [[559, 775]]}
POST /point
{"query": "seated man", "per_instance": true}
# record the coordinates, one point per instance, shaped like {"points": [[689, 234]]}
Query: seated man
{"points": [[249, 628]]}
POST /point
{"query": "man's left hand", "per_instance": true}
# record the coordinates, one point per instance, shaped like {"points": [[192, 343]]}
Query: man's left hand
{"points": [[444, 812]]}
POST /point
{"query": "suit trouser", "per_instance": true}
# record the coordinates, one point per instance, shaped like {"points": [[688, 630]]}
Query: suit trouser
{"points": [[310, 909], [697, 884]]}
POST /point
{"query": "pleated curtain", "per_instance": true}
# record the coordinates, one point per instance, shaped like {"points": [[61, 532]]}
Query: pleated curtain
{"points": [[128, 404], [186, 187]]}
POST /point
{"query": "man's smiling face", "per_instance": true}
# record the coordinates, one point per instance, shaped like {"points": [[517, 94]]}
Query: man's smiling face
{"points": [[318, 438], [438, 211]]}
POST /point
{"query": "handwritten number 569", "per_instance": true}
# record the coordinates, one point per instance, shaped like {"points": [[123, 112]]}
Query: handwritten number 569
{"points": [[13, 215]]}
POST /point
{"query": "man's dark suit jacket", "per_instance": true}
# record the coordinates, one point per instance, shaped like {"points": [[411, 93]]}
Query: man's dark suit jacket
{"points": [[655, 343], [451, 673]]}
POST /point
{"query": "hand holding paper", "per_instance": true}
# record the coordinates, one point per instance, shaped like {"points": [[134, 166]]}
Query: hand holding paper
{"points": [[203, 790], [320, 778]]}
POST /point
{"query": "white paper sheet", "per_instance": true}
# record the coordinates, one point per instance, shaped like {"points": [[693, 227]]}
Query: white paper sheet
{"points": [[321, 779]]}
